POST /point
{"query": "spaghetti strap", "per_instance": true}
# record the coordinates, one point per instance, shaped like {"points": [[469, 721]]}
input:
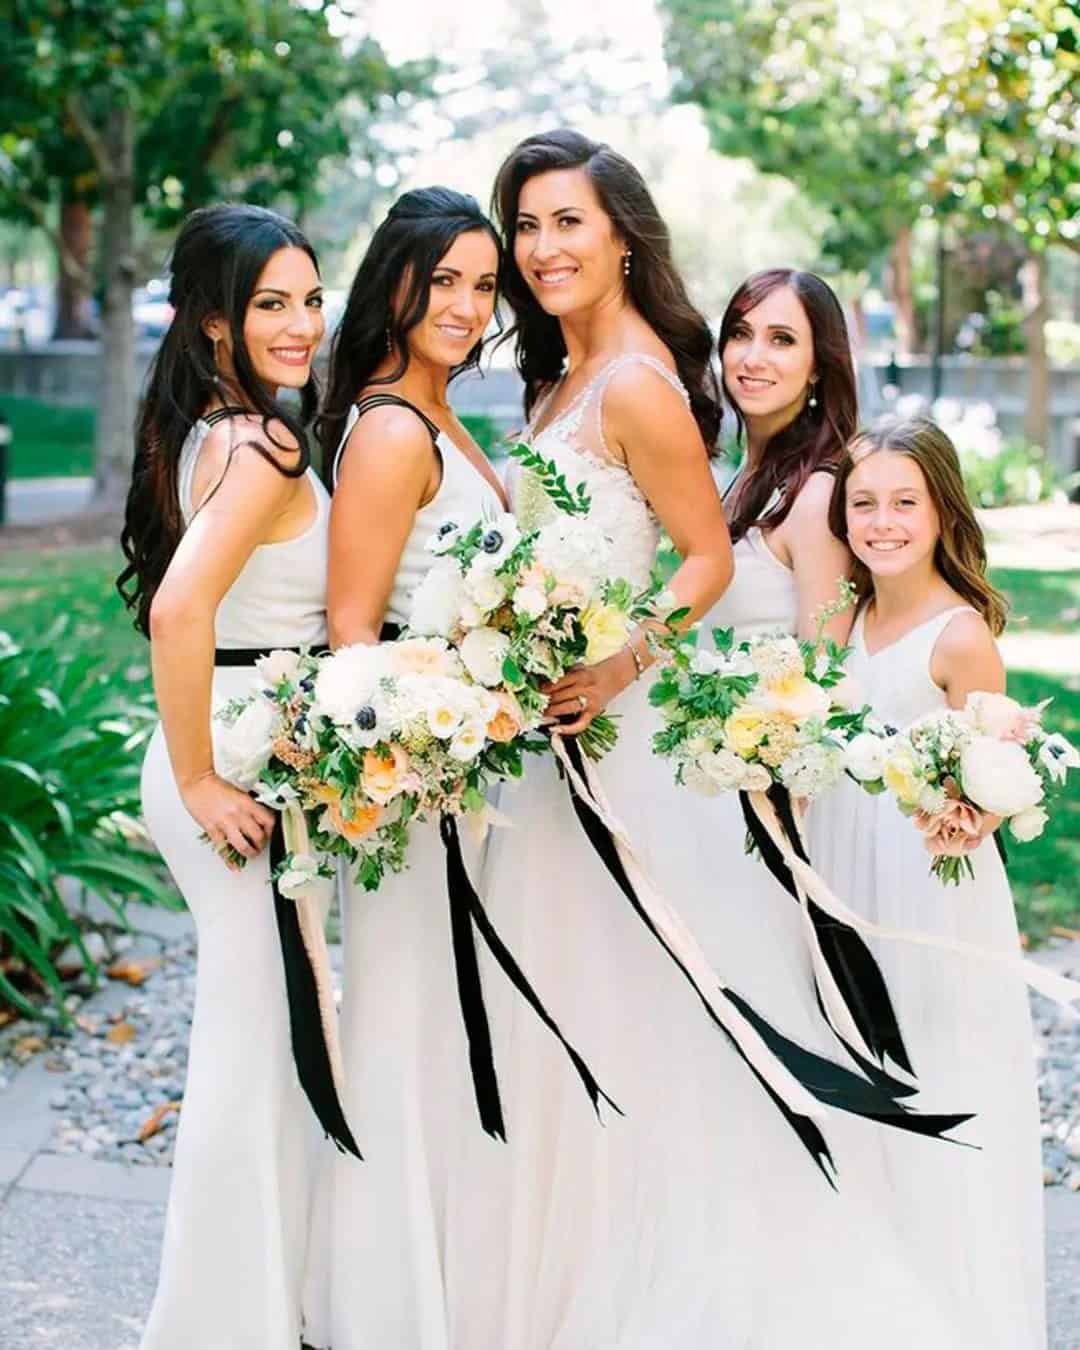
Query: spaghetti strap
{"points": [[365, 404], [219, 415]]}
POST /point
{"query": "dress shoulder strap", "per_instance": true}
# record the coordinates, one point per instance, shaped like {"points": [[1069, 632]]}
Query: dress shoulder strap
{"points": [[599, 388], [366, 404], [220, 414]]}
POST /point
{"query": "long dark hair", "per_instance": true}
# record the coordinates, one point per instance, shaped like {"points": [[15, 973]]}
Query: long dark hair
{"points": [[390, 295], [960, 552], [217, 259], [817, 436], [654, 284]]}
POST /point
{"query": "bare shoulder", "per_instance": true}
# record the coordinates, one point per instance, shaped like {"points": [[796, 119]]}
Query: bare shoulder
{"points": [[966, 636], [268, 442], [638, 397], [390, 441], [812, 503]]}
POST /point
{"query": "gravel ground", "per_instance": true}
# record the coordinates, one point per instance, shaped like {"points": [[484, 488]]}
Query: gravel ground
{"points": [[120, 1076]]}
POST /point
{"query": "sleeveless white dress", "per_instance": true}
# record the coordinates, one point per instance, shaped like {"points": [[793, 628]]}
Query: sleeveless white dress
{"points": [[679, 1226], [973, 1220], [384, 1226], [236, 1231]]}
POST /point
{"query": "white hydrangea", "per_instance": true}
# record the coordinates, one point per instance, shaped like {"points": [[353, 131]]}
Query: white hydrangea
{"points": [[810, 769], [574, 550], [437, 601]]}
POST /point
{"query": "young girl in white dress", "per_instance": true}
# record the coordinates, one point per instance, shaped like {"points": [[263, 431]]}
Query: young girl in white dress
{"points": [[225, 535], [401, 465], [923, 640]]}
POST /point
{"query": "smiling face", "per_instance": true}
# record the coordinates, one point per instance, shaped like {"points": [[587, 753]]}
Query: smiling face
{"points": [[283, 325], [892, 522], [461, 301], [768, 359], [565, 244]]}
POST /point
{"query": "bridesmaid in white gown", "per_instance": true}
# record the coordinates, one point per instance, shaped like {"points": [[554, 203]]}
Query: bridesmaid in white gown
{"points": [[225, 536], [922, 641], [402, 465]]}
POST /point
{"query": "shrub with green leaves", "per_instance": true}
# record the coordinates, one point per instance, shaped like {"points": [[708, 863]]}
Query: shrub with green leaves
{"points": [[71, 749]]}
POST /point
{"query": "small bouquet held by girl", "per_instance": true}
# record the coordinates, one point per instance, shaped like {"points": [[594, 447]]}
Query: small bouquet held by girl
{"points": [[952, 770], [522, 607]]}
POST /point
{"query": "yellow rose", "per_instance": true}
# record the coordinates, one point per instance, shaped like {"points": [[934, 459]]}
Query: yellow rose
{"points": [[745, 729], [384, 775], [605, 631], [901, 776], [794, 695]]}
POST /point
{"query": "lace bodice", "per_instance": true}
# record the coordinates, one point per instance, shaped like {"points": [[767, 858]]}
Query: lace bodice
{"points": [[575, 441]]}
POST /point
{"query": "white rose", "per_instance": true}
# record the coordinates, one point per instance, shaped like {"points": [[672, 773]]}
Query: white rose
{"points": [[483, 652], [1058, 756], [1028, 825], [998, 776], [278, 666], [530, 601], [347, 681], [437, 600], [756, 778], [302, 880], [697, 780], [724, 767], [243, 749], [483, 587], [865, 757]]}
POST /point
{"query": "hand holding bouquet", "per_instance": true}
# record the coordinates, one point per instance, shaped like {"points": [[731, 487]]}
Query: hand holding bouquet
{"points": [[952, 770]]}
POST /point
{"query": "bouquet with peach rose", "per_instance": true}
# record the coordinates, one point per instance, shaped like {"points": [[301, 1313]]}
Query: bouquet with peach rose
{"points": [[521, 607], [363, 741], [953, 771]]}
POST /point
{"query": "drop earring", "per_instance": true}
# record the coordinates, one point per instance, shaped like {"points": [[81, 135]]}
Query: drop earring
{"points": [[812, 401], [389, 340], [626, 262]]}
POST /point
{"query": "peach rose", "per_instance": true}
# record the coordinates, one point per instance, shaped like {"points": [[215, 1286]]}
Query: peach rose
{"points": [[366, 817], [384, 776], [508, 719], [952, 832]]}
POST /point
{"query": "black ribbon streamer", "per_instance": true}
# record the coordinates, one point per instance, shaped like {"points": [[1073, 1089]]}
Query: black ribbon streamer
{"points": [[830, 1083], [858, 975], [310, 1053], [467, 913]]}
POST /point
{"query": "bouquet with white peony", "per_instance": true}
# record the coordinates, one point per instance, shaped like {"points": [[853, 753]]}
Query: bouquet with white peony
{"points": [[764, 711], [362, 742], [522, 607], [993, 757]]}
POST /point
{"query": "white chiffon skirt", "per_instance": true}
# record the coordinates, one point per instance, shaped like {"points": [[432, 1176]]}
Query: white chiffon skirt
{"points": [[696, 1220], [239, 1207]]}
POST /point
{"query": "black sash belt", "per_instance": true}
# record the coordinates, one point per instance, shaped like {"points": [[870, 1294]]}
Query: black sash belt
{"points": [[310, 1053]]}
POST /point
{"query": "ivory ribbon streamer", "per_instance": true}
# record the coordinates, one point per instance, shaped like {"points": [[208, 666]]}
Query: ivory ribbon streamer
{"points": [[313, 933], [1057, 987], [682, 943]]}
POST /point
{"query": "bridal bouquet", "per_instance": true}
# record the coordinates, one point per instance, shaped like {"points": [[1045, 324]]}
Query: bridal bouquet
{"points": [[992, 757], [522, 607], [764, 711], [353, 746]]}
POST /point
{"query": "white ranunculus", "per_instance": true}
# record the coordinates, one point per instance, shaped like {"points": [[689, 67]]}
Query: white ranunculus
{"points": [[437, 601], [865, 757], [1028, 825], [277, 666], [998, 776], [302, 880], [243, 749], [468, 742], [1058, 756], [530, 601], [724, 767], [756, 778], [499, 538], [347, 681], [483, 587], [483, 652], [446, 708], [697, 780]]}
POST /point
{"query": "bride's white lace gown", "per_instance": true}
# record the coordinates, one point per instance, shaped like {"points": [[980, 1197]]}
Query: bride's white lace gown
{"points": [[697, 1221]]}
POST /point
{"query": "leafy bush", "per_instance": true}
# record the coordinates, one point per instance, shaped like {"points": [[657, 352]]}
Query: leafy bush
{"points": [[70, 757]]}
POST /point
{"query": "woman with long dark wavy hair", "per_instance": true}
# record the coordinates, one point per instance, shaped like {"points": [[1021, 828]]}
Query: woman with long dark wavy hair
{"points": [[401, 465], [225, 536]]}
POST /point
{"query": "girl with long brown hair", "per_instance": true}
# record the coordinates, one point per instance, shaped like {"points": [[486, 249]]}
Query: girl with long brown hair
{"points": [[922, 641]]}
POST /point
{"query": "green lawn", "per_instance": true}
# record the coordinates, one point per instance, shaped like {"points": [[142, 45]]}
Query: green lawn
{"points": [[48, 441], [36, 589]]}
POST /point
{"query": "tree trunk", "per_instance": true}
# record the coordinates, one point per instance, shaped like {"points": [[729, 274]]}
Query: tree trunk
{"points": [[1036, 311], [907, 336], [73, 316], [116, 407]]}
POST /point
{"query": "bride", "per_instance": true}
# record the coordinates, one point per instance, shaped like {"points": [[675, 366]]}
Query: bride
{"points": [[665, 1228]]}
